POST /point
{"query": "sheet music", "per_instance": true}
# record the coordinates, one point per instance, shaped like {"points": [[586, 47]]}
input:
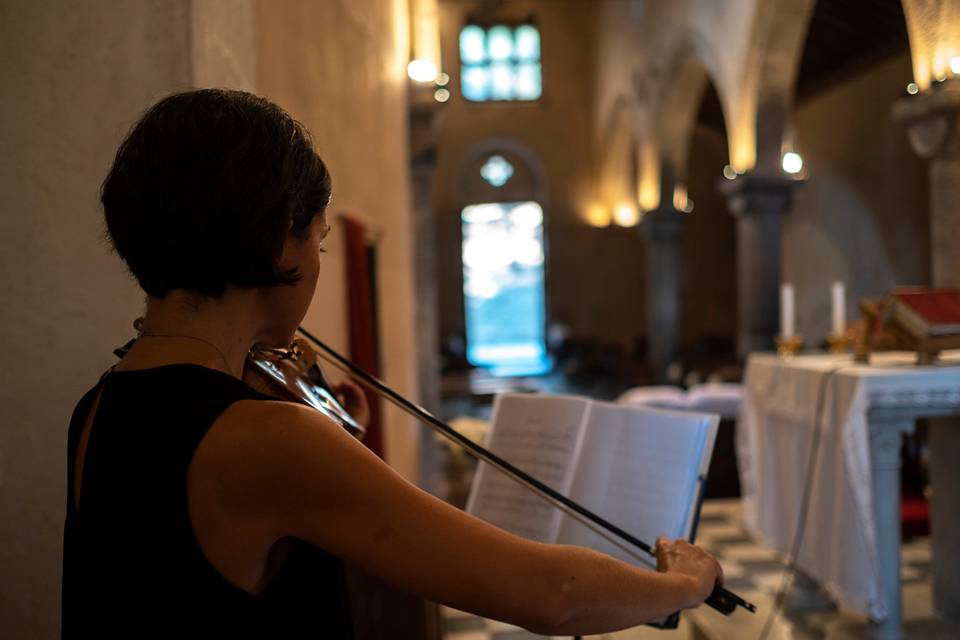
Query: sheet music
{"points": [[541, 435], [638, 468]]}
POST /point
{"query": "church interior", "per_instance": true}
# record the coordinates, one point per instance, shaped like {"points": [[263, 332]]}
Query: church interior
{"points": [[678, 207]]}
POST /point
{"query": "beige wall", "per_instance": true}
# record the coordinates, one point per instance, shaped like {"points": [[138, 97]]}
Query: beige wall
{"points": [[862, 216], [75, 76], [593, 275], [339, 66]]}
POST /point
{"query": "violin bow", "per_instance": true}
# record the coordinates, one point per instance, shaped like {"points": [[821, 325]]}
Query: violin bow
{"points": [[721, 599]]}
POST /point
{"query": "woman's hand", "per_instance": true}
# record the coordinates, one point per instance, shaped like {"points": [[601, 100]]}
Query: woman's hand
{"points": [[682, 558], [354, 400]]}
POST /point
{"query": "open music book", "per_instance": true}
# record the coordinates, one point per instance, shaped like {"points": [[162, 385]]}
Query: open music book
{"points": [[641, 469]]}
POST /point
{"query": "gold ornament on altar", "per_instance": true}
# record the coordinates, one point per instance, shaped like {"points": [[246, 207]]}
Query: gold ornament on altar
{"points": [[788, 347], [841, 343]]}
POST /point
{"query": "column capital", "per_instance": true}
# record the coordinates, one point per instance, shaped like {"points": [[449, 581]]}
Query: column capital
{"points": [[930, 118], [425, 116], [759, 194], [886, 437], [663, 225]]}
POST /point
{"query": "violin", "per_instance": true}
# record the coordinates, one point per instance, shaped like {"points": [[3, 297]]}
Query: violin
{"points": [[379, 611], [295, 372]]}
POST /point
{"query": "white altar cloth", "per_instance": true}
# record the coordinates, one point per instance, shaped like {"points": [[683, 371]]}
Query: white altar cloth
{"points": [[774, 433]]}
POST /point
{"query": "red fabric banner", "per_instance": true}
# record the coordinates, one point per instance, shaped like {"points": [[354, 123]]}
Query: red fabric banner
{"points": [[362, 321]]}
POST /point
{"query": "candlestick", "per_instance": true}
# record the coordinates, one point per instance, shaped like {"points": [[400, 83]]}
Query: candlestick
{"points": [[787, 312], [838, 309]]}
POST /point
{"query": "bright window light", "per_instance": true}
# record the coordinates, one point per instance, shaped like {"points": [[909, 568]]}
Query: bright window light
{"points": [[500, 63], [527, 43], [500, 43], [496, 170], [476, 83], [473, 47], [503, 287]]}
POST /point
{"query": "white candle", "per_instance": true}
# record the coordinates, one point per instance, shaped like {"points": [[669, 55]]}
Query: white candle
{"points": [[787, 312], [838, 309]]}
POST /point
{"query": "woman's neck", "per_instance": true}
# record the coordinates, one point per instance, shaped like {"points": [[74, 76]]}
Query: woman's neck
{"points": [[184, 327]]}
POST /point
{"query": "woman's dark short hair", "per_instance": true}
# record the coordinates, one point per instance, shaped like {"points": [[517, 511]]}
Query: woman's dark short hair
{"points": [[205, 189]]}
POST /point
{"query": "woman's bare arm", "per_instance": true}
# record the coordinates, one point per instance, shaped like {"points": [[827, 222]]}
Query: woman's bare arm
{"points": [[299, 475]]}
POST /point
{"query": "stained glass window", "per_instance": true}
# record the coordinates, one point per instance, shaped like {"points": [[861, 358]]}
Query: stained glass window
{"points": [[500, 63], [496, 170]]}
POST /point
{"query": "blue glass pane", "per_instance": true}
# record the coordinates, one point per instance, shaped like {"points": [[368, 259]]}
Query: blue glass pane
{"points": [[527, 43], [500, 43], [496, 170], [475, 83], [504, 287], [472, 46], [502, 79], [528, 85]]}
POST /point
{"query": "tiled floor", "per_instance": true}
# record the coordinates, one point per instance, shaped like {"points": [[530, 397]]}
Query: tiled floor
{"points": [[755, 573]]}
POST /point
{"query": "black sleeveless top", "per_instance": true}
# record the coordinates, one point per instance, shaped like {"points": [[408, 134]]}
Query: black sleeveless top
{"points": [[132, 566]]}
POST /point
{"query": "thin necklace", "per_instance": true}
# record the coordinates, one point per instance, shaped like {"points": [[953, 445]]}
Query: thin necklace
{"points": [[144, 334]]}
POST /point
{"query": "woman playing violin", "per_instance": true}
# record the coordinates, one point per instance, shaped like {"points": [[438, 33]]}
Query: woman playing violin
{"points": [[198, 505]]}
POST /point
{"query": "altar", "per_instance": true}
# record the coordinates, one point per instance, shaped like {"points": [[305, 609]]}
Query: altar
{"points": [[851, 533]]}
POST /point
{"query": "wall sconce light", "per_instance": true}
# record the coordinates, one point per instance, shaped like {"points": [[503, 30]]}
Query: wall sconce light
{"points": [[422, 71], [598, 216], [681, 199], [792, 162], [626, 215]]}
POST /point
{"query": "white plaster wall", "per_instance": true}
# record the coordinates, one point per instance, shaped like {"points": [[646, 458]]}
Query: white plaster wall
{"points": [[339, 66], [223, 44], [75, 76]]}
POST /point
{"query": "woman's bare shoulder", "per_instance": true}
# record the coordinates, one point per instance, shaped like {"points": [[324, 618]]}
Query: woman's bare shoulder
{"points": [[253, 452]]}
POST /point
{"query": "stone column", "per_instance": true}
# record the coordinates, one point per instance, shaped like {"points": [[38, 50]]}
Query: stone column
{"points": [[662, 229], [886, 437], [932, 120], [425, 115], [759, 204]]}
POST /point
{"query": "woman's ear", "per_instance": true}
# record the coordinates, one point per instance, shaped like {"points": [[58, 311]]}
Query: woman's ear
{"points": [[296, 247]]}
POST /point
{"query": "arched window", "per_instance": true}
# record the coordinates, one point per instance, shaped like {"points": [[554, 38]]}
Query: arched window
{"points": [[503, 267]]}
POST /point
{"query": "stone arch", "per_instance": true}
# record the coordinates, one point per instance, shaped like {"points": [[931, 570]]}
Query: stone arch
{"points": [[675, 115], [675, 120], [773, 62], [617, 146], [527, 183]]}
